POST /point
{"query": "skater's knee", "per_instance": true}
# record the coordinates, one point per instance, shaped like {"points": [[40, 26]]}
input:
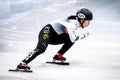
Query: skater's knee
{"points": [[39, 51]]}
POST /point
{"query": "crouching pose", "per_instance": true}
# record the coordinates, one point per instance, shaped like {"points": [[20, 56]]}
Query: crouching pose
{"points": [[60, 32]]}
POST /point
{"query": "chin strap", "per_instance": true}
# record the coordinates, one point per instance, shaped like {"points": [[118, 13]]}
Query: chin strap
{"points": [[82, 24]]}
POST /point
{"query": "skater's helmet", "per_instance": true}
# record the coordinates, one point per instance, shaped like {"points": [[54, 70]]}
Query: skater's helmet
{"points": [[84, 14]]}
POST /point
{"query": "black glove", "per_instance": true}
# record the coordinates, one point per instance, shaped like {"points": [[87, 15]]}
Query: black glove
{"points": [[77, 38], [85, 35]]}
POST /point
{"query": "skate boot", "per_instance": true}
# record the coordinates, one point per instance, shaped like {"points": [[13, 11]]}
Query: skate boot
{"points": [[23, 65], [59, 57]]}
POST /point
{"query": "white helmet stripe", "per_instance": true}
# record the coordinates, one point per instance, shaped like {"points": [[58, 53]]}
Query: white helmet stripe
{"points": [[81, 16]]}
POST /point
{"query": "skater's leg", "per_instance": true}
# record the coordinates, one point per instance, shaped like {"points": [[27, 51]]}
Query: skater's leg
{"points": [[66, 46], [33, 54], [44, 38]]}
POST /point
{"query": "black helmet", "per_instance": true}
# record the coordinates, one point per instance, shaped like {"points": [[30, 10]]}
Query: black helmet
{"points": [[84, 14]]}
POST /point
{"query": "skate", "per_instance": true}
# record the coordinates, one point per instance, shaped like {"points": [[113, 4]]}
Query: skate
{"points": [[22, 67], [59, 59]]}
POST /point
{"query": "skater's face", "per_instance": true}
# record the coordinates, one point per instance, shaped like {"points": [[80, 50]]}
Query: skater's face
{"points": [[85, 23]]}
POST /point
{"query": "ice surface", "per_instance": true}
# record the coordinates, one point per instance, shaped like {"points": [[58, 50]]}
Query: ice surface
{"points": [[94, 58]]}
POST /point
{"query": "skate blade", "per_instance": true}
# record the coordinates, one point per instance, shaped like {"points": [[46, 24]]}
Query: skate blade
{"points": [[59, 63], [20, 70]]}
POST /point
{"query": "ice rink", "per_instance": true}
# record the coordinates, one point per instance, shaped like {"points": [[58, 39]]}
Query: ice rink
{"points": [[96, 57]]}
